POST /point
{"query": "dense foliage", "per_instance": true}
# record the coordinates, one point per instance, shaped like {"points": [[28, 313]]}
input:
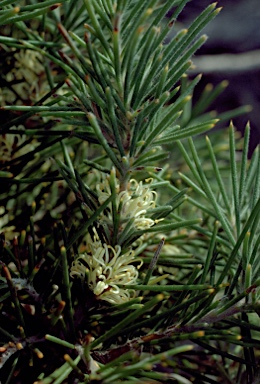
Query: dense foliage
{"points": [[130, 241]]}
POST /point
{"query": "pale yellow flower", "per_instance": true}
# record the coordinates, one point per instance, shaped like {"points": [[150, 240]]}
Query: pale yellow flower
{"points": [[28, 66], [9, 231], [12, 146], [27, 77], [134, 202], [6, 97], [105, 268]]}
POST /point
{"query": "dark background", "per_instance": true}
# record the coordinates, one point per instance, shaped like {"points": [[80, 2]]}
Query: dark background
{"points": [[234, 40]]}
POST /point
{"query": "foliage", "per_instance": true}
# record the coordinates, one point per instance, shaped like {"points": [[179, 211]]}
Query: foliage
{"points": [[130, 242]]}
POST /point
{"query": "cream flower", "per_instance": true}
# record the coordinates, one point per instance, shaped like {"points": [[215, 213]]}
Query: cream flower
{"points": [[105, 268], [134, 202], [9, 231], [27, 78], [28, 65], [12, 146]]}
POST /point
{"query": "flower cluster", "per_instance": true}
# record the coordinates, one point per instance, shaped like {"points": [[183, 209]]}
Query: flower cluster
{"points": [[13, 146], [105, 268], [133, 202], [27, 78], [8, 231]]}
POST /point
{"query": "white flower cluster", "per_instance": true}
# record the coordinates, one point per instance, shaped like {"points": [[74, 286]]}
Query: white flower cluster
{"points": [[12, 146], [28, 65], [27, 77], [105, 268], [134, 202]]}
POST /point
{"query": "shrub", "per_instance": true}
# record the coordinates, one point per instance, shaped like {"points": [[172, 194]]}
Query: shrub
{"points": [[130, 241]]}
